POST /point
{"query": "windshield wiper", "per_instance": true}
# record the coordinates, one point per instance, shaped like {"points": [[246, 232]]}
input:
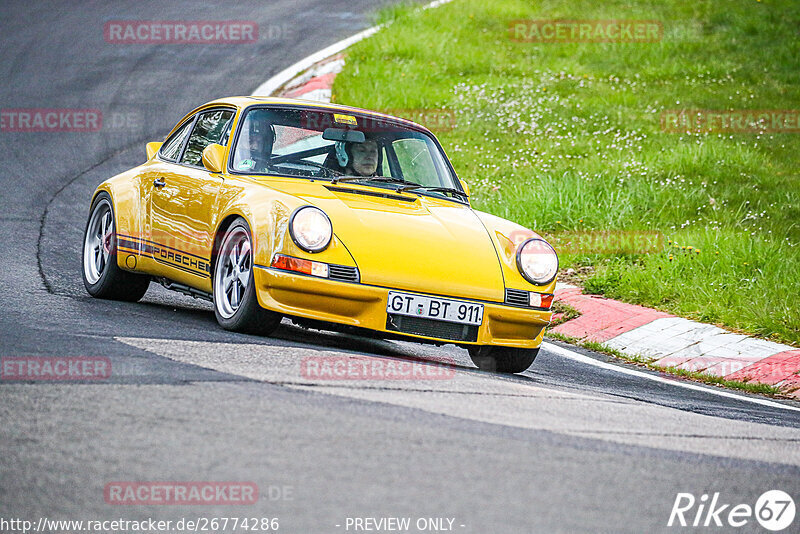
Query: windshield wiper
{"points": [[390, 179], [434, 188]]}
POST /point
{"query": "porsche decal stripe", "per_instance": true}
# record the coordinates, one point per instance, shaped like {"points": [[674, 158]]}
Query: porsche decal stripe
{"points": [[175, 265], [184, 261], [182, 268], [128, 249], [139, 239]]}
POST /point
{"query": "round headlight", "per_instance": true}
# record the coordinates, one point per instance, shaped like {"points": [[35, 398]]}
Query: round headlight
{"points": [[310, 228], [537, 261]]}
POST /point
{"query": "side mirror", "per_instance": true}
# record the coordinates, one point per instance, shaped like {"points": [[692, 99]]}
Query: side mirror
{"points": [[152, 148], [464, 186], [214, 157]]}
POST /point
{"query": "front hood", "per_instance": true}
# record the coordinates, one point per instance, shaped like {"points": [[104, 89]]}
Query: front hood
{"points": [[428, 245]]}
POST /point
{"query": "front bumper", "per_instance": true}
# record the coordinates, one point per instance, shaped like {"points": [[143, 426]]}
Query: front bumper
{"points": [[364, 306]]}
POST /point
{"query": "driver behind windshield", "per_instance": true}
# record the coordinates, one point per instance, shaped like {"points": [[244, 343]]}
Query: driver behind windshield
{"points": [[358, 159], [256, 149]]}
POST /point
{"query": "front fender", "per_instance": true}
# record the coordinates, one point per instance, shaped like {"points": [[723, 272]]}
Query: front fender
{"points": [[267, 212], [507, 236]]}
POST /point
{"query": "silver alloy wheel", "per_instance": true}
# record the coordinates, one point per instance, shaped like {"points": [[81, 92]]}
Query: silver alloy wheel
{"points": [[98, 242], [233, 272]]}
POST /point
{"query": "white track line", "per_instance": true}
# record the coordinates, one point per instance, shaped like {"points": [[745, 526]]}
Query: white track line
{"points": [[271, 85], [561, 351]]}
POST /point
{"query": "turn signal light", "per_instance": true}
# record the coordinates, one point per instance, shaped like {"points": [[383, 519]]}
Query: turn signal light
{"points": [[541, 300], [288, 263]]}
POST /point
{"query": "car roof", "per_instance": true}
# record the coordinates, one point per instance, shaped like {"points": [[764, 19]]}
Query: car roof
{"points": [[242, 102]]}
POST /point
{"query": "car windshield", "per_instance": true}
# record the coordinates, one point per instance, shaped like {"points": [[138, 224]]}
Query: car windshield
{"points": [[341, 147]]}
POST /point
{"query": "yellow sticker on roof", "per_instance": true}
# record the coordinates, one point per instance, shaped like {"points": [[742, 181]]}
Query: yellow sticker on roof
{"points": [[345, 119]]}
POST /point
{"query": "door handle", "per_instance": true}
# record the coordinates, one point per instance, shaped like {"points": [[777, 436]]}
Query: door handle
{"points": [[159, 182]]}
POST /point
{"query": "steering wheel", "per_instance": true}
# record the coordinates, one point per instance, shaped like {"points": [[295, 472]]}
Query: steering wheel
{"points": [[324, 171]]}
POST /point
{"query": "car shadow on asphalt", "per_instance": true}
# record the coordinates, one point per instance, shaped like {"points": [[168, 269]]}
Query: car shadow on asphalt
{"points": [[168, 315]]}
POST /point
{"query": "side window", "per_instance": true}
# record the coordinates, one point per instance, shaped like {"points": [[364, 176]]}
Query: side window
{"points": [[209, 128], [383, 169], [226, 136], [171, 148]]}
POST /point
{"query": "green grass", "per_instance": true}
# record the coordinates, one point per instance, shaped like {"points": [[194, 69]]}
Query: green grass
{"points": [[697, 376], [564, 311], [566, 138]]}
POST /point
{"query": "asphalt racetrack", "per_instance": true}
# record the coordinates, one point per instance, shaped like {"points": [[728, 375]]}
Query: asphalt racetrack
{"points": [[565, 447]]}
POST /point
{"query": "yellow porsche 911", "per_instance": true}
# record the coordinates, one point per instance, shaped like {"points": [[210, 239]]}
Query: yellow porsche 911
{"points": [[336, 217]]}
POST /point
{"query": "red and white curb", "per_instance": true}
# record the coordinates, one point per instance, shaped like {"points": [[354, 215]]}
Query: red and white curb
{"points": [[316, 82], [292, 82], [635, 330], [672, 341]]}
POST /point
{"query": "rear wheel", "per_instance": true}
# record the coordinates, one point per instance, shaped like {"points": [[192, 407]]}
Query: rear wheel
{"points": [[235, 303], [502, 359], [101, 275]]}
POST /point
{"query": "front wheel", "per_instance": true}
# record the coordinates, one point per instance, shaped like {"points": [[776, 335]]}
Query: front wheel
{"points": [[502, 359], [235, 303], [102, 277]]}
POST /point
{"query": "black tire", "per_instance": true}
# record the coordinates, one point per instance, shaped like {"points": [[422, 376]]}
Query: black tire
{"points": [[107, 281], [247, 316], [502, 359]]}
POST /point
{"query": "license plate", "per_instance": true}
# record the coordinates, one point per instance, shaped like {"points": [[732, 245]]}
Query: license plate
{"points": [[454, 311]]}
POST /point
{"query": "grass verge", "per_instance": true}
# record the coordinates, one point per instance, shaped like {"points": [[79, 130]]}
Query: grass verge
{"points": [[562, 312], [566, 138]]}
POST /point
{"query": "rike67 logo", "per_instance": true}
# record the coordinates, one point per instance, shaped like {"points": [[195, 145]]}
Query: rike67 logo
{"points": [[774, 510]]}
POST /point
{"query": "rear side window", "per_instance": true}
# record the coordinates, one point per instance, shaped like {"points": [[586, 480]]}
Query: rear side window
{"points": [[172, 147], [210, 128]]}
